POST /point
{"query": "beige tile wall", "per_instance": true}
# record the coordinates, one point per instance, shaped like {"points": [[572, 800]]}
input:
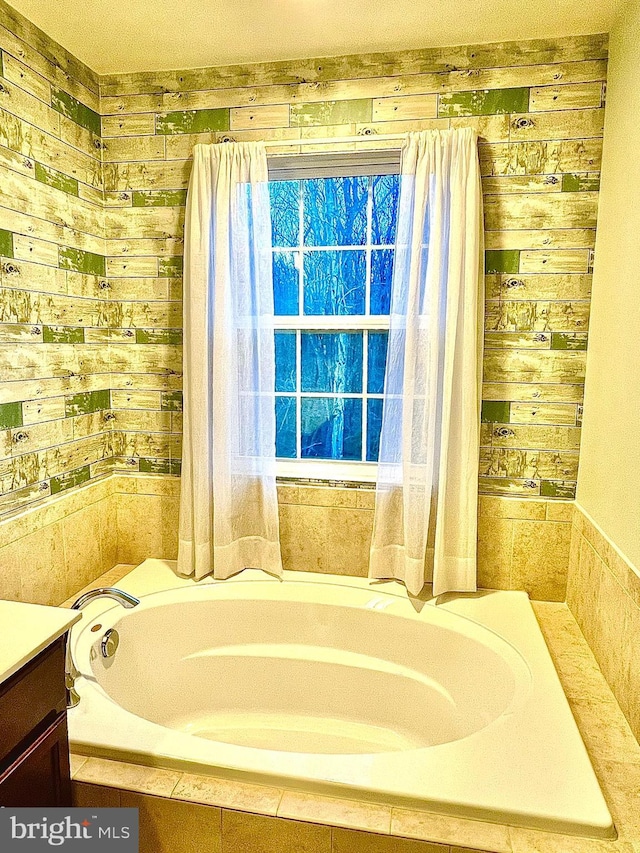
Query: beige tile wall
{"points": [[326, 529], [604, 596], [54, 548], [239, 817], [523, 544], [323, 529], [147, 517]]}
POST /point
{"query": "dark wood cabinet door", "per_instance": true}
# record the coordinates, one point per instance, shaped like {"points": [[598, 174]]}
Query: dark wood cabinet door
{"points": [[31, 699], [40, 776]]}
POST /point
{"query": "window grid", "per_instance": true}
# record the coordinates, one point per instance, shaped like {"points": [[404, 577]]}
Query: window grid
{"points": [[299, 262], [332, 323]]}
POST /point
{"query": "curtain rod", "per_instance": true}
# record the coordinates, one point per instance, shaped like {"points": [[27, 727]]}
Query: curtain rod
{"points": [[335, 139]]}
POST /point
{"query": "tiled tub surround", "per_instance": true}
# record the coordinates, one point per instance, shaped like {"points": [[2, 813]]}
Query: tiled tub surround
{"points": [[523, 543], [90, 296], [604, 596], [52, 549], [464, 696], [227, 815]]}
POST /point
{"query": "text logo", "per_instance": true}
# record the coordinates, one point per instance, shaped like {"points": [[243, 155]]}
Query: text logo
{"points": [[27, 830]]}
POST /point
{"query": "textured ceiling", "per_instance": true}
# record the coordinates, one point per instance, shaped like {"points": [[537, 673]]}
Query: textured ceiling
{"points": [[145, 35]]}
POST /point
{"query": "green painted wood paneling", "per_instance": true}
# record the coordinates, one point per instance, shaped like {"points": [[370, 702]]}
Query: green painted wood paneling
{"points": [[169, 267], [332, 112], [494, 411], [56, 179], [86, 403], [62, 335], [502, 261], [579, 183], [70, 479], [81, 261], [484, 102], [171, 401], [6, 243], [159, 336], [72, 108], [558, 489], [192, 121], [568, 340], [10, 415], [159, 198], [159, 466]]}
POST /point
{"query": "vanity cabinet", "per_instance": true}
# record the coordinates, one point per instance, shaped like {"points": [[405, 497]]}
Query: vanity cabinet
{"points": [[34, 747]]}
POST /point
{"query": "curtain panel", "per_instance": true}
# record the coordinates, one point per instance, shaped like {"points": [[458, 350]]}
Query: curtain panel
{"points": [[425, 522], [228, 505]]}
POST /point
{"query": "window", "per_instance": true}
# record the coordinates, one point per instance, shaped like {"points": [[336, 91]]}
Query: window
{"points": [[333, 236]]}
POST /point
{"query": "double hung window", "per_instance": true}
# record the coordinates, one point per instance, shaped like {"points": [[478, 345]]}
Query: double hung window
{"points": [[333, 235]]}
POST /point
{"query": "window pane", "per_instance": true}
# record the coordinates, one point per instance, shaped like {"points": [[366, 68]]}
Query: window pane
{"points": [[386, 191], [335, 211], [285, 283], [376, 361], [286, 427], [285, 213], [332, 361], [381, 275], [285, 361], [374, 425], [331, 428], [334, 282]]}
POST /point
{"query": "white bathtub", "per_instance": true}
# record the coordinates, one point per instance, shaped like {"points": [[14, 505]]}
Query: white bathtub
{"points": [[327, 684]]}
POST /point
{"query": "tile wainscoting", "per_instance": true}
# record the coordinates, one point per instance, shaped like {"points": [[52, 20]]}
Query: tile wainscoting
{"points": [[51, 549], [523, 544], [603, 594], [55, 547]]}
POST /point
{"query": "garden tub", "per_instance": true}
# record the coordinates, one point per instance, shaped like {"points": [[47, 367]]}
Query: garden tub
{"points": [[329, 684]]}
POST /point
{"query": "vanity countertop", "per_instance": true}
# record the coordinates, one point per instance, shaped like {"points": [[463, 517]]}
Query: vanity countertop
{"points": [[27, 629]]}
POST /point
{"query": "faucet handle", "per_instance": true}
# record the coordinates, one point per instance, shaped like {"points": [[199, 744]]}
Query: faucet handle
{"points": [[73, 696]]}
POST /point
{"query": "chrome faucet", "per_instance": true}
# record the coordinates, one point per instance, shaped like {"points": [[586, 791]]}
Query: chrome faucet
{"points": [[70, 669]]}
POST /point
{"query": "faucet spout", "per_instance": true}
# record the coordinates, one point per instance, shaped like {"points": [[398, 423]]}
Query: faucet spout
{"points": [[119, 595], [70, 670]]}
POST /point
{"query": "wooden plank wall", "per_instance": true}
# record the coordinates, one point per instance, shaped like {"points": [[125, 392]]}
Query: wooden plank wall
{"points": [[54, 315], [539, 109]]}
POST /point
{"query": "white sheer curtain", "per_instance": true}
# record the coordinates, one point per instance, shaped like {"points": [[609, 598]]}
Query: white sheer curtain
{"points": [[228, 505], [425, 519]]}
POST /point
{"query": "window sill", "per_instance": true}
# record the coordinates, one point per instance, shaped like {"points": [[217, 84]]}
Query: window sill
{"points": [[327, 469]]}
